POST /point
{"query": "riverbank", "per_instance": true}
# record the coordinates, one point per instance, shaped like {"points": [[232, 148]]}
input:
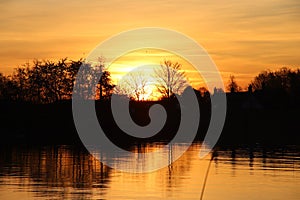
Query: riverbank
{"points": [[53, 123]]}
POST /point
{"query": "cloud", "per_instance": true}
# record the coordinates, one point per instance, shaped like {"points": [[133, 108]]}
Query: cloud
{"points": [[241, 36]]}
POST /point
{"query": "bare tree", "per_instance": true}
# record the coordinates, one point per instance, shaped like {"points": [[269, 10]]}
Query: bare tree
{"points": [[170, 79], [134, 85]]}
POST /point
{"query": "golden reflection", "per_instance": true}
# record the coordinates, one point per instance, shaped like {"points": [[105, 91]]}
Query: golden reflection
{"points": [[69, 172]]}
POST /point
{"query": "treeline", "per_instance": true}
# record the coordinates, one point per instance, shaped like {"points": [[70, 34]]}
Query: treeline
{"points": [[284, 79], [48, 82], [44, 82], [267, 113]]}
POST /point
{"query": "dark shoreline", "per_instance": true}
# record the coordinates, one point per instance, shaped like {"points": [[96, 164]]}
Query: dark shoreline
{"points": [[26, 123]]}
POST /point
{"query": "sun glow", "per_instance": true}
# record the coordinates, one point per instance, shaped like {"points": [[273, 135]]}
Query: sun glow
{"points": [[136, 71]]}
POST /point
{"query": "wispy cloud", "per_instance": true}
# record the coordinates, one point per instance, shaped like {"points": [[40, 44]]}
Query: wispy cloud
{"points": [[243, 37]]}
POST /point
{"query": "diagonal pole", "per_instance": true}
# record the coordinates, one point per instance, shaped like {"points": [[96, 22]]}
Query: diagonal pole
{"points": [[206, 175]]}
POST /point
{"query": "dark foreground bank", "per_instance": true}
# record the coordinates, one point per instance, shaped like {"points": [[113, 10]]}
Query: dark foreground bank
{"points": [[247, 122]]}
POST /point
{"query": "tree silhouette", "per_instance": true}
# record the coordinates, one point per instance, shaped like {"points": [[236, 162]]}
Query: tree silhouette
{"points": [[105, 86], [204, 94], [19, 83], [8, 88], [283, 79], [232, 85], [88, 78], [48, 82], [3, 86], [170, 79], [133, 85]]}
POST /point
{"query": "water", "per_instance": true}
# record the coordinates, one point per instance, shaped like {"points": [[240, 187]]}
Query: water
{"points": [[66, 172]]}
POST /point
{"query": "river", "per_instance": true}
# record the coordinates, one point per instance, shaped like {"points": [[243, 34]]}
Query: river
{"points": [[69, 172]]}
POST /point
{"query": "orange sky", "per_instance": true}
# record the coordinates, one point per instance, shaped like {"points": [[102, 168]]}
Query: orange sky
{"points": [[242, 37], [148, 60]]}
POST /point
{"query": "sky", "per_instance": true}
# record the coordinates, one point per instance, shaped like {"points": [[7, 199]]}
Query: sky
{"points": [[146, 64], [242, 37], [151, 60]]}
